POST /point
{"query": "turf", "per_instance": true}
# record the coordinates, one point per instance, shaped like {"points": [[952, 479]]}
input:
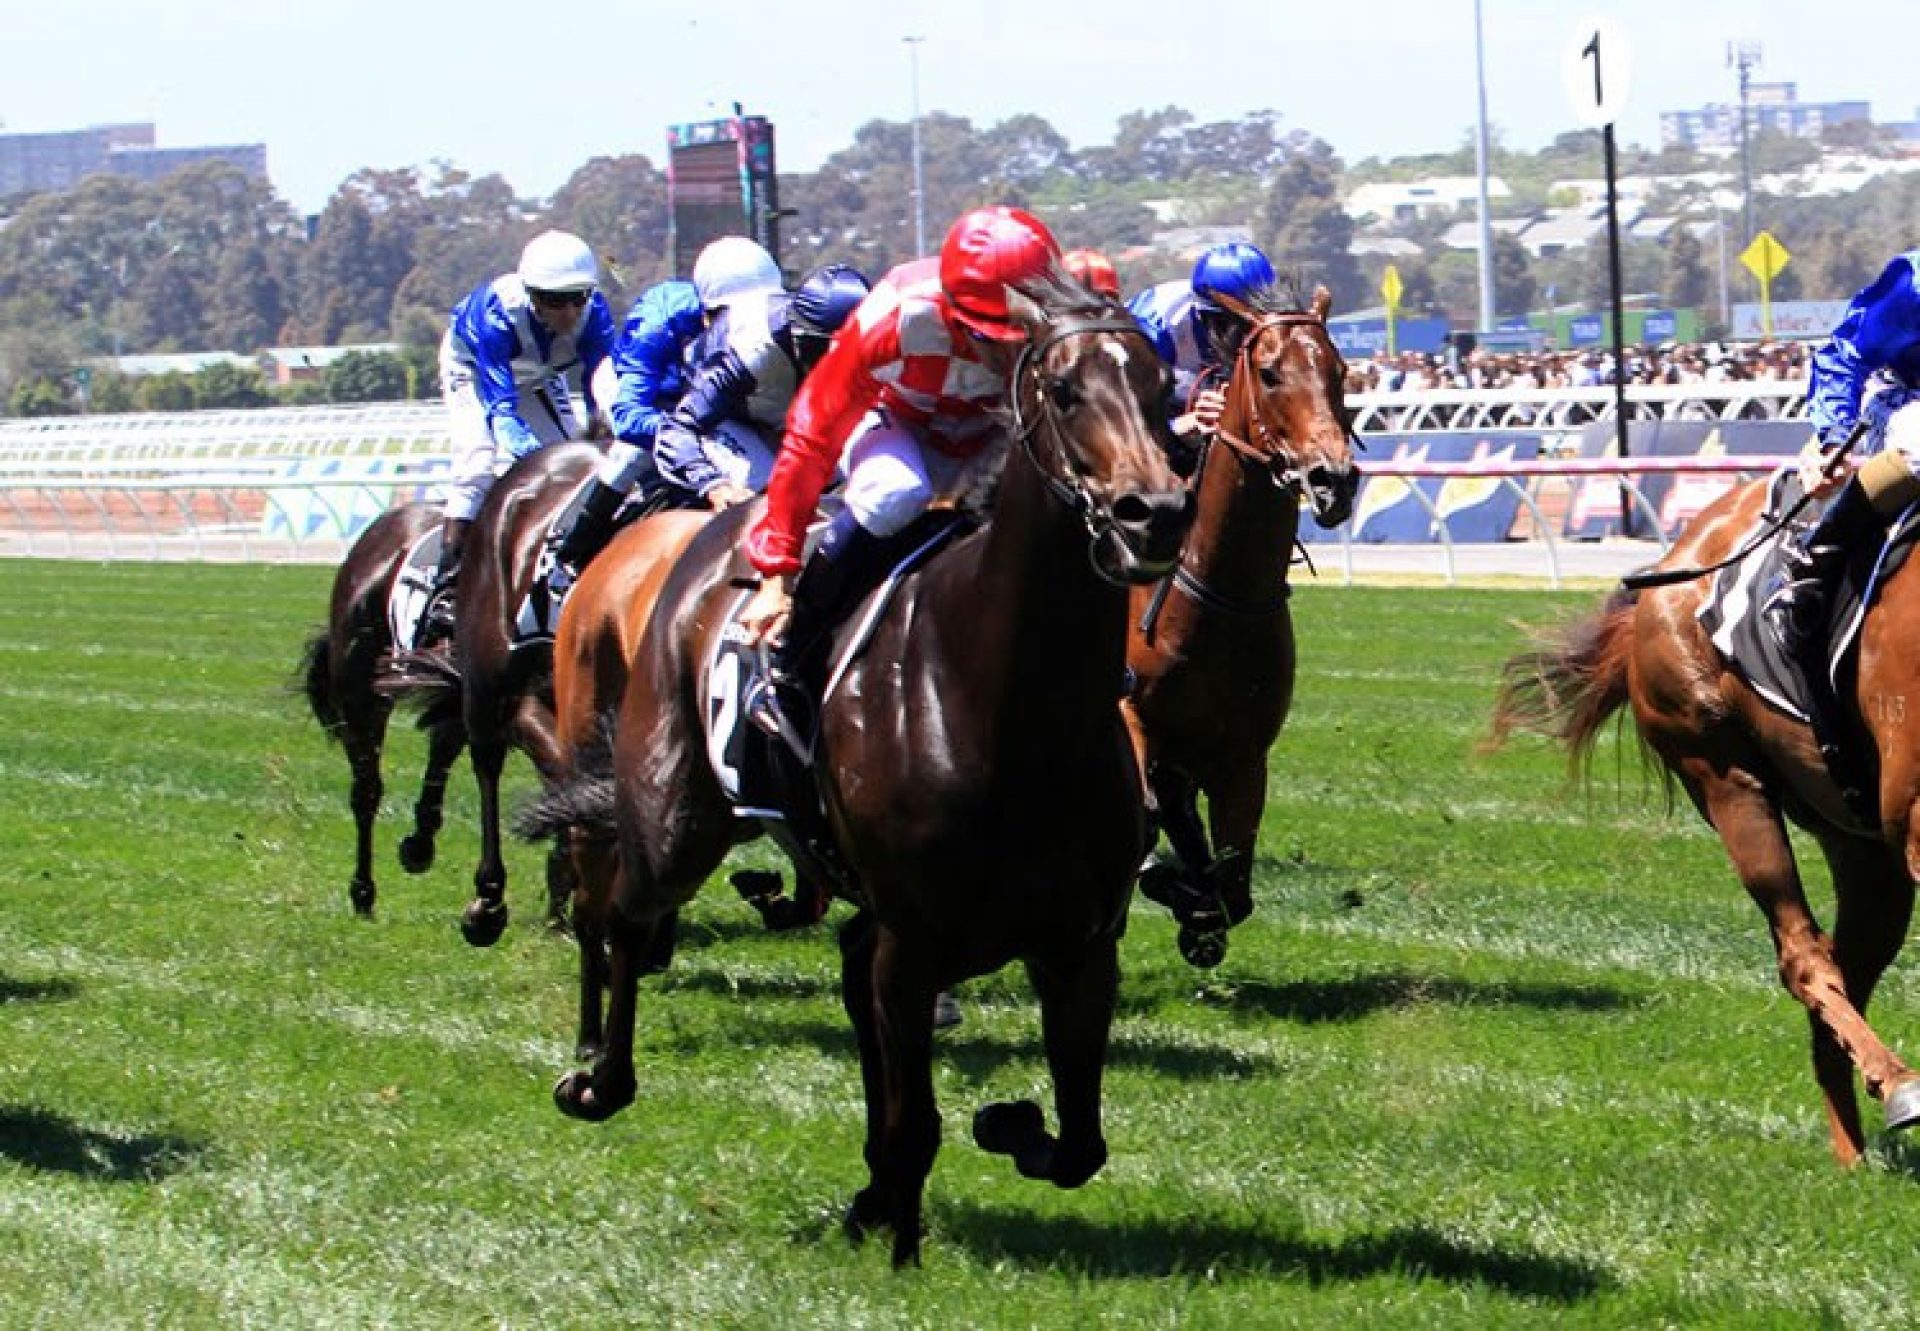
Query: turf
{"points": [[1496, 1049]]}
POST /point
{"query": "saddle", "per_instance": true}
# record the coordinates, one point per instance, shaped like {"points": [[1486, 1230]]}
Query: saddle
{"points": [[411, 588], [537, 618], [772, 777], [1818, 691]]}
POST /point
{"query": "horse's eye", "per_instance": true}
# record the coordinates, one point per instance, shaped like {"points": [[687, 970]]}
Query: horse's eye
{"points": [[1065, 396], [1268, 379]]}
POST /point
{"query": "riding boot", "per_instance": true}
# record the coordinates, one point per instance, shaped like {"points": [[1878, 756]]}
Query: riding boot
{"points": [[839, 573], [436, 617], [590, 529], [1799, 604]]}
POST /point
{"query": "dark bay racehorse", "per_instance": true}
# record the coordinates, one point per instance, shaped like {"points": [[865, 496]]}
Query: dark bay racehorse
{"points": [[976, 773], [505, 693], [1748, 770], [1212, 649], [338, 672]]}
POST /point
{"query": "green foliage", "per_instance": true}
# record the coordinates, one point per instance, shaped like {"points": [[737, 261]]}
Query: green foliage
{"points": [[1513, 283], [366, 376], [171, 391], [221, 386], [1687, 282], [42, 397]]}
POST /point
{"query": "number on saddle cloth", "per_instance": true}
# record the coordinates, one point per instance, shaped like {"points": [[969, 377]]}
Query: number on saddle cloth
{"points": [[412, 587]]}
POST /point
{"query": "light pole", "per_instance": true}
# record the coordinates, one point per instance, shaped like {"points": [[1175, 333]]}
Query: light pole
{"points": [[1480, 159], [1744, 57], [919, 188]]}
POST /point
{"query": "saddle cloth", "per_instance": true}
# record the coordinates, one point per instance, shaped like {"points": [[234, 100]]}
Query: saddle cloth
{"points": [[411, 588]]}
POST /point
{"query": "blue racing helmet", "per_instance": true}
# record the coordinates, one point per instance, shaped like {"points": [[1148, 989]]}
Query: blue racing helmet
{"points": [[1233, 270], [828, 297]]}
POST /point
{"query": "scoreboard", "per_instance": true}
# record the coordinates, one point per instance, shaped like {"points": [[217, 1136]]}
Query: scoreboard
{"points": [[721, 182]]}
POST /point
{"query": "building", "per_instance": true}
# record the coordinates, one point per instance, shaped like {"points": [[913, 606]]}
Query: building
{"points": [[1401, 201], [1771, 107], [32, 163]]}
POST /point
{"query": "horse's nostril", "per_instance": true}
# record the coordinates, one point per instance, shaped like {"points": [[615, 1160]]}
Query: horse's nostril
{"points": [[1132, 509]]}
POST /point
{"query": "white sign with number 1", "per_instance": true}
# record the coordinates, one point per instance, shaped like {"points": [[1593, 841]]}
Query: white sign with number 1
{"points": [[1597, 68]]}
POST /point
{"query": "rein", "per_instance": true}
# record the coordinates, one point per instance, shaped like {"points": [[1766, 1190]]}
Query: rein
{"points": [[1070, 490]]}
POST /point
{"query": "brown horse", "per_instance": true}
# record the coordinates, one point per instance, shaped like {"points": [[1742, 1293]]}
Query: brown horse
{"points": [[1212, 650], [1748, 769], [338, 672], [975, 771], [505, 693]]}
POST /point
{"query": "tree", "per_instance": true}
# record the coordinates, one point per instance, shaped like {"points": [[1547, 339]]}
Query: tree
{"points": [[228, 387], [172, 391], [1687, 281], [366, 376], [40, 396], [1307, 230]]}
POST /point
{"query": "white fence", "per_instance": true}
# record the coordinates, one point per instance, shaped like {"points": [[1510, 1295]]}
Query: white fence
{"points": [[296, 484]]}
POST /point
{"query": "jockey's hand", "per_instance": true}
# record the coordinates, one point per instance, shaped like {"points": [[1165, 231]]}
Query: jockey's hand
{"points": [[1815, 478], [766, 615], [726, 495], [1207, 407]]}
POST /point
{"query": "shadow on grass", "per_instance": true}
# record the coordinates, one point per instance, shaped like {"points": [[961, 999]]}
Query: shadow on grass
{"points": [[48, 1142], [1157, 1249], [1313, 1001], [36, 991]]}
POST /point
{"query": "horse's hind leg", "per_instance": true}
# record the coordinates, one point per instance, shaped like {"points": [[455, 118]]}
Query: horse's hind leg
{"points": [[1750, 826], [363, 734], [1873, 895], [536, 735], [485, 918], [445, 741], [1077, 996]]}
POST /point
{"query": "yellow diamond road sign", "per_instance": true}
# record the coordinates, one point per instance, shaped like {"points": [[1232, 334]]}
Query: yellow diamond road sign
{"points": [[1390, 286], [1765, 257]]}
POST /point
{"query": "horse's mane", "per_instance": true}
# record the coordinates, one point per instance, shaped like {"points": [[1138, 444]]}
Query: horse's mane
{"points": [[1281, 296], [1061, 296]]}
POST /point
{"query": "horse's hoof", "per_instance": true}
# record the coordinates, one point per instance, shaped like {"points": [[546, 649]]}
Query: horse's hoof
{"points": [[1202, 948], [864, 1216], [362, 895], [1072, 1167], [906, 1251], [482, 923], [1009, 1127], [946, 1011], [416, 853], [1903, 1105], [576, 1096], [1161, 884]]}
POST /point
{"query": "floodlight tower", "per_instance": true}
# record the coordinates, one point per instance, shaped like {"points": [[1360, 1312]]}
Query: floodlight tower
{"points": [[1744, 57]]}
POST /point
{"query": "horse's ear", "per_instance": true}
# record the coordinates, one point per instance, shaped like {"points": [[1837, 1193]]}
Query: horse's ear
{"points": [[1322, 302], [1233, 305], [1025, 310]]}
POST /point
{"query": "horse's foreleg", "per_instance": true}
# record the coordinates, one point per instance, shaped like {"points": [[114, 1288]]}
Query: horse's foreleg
{"points": [[444, 745], [595, 862], [903, 992], [535, 734], [1077, 995], [1750, 826], [606, 1090], [1873, 896], [858, 937], [1235, 805]]}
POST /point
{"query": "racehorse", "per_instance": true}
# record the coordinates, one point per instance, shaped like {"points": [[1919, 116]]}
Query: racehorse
{"points": [[337, 673], [505, 692], [593, 651], [976, 774], [1212, 651], [1748, 769]]}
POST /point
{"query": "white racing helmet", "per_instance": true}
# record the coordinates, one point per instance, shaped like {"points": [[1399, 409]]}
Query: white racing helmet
{"points": [[733, 267], [558, 261]]}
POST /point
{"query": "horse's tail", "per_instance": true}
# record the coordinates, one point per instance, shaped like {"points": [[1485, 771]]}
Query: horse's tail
{"points": [[1571, 683], [315, 679], [580, 800]]}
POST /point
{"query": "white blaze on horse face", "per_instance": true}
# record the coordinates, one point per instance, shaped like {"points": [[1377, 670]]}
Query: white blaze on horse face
{"points": [[1118, 352]]}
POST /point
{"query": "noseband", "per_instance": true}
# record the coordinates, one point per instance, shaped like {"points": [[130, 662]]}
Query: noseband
{"points": [[1268, 449], [1066, 484]]}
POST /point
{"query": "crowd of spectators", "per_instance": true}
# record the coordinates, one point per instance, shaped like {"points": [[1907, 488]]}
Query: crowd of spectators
{"points": [[1668, 363]]}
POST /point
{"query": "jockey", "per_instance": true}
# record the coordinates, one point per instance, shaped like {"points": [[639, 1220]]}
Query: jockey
{"points": [[1868, 369], [1093, 270], [511, 350], [1197, 335], [650, 362], [720, 442], [907, 396]]}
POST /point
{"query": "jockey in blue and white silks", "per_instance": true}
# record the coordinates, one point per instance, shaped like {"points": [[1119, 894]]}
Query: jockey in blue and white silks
{"points": [[1197, 335], [1868, 368], [720, 442], [518, 350]]}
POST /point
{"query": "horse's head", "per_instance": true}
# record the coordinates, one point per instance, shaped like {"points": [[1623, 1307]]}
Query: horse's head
{"points": [[1087, 397], [1286, 409]]}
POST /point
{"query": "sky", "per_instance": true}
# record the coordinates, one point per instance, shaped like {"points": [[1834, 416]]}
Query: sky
{"points": [[532, 92]]}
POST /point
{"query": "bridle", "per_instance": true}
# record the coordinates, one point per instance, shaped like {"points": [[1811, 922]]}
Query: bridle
{"points": [[1065, 482], [1268, 450]]}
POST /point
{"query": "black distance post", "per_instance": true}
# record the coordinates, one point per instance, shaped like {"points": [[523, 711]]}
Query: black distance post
{"points": [[1619, 331]]}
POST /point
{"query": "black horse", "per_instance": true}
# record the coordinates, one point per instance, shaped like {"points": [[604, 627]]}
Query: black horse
{"points": [[975, 770]]}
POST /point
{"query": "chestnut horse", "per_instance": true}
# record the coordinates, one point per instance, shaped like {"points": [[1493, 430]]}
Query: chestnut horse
{"points": [[975, 771], [338, 671], [1748, 769], [1212, 650], [505, 693]]}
